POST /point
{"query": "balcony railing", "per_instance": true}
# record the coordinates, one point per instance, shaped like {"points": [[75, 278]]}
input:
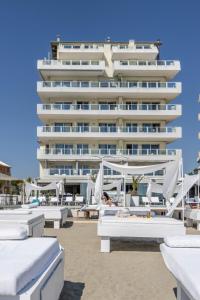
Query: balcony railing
{"points": [[146, 63], [109, 129], [81, 47], [109, 152], [88, 172], [109, 84], [58, 63], [110, 107], [138, 47]]}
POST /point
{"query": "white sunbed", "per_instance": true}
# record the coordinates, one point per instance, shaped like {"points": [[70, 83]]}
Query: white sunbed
{"points": [[33, 223], [56, 214], [145, 200], [69, 200], [79, 200], [192, 215], [31, 269], [182, 259], [136, 227]]}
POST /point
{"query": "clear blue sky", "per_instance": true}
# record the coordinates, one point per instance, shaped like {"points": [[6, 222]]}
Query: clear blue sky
{"points": [[26, 29]]}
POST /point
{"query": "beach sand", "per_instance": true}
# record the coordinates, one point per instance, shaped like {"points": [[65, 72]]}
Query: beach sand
{"points": [[132, 271]]}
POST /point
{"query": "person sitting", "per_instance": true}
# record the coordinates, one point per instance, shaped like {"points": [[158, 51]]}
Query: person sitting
{"points": [[107, 199]]}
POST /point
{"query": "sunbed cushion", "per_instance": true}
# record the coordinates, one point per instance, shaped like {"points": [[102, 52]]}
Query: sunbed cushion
{"points": [[15, 212], [184, 264], [11, 232], [22, 262], [188, 241]]}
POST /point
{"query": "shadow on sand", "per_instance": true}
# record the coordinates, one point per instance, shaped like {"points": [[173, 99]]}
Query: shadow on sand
{"points": [[72, 290], [130, 245]]}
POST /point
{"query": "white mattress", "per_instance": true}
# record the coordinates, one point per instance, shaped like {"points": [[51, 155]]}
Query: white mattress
{"points": [[157, 227], [21, 218], [12, 232], [49, 212], [140, 220], [184, 264], [15, 212], [22, 262]]}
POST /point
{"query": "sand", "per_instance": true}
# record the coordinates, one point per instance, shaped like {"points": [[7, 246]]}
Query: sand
{"points": [[132, 271]]}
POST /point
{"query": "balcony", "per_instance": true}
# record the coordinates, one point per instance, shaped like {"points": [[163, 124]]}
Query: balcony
{"points": [[133, 111], [135, 52], [167, 134], [164, 68], [108, 89], [86, 173], [55, 154], [62, 68], [66, 51]]}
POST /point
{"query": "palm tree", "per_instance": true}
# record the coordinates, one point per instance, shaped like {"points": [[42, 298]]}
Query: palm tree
{"points": [[135, 184]]}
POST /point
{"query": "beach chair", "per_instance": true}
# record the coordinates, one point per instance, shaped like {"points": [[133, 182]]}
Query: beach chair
{"points": [[69, 200], [79, 200], [31, 268], [145, 200], [54, 201], [155, 201]]}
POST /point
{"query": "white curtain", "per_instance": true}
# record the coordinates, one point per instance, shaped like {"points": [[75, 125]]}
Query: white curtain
{"points": [[188, 182], [90, 190], [171, 178], [154, 187], [98, 185]]}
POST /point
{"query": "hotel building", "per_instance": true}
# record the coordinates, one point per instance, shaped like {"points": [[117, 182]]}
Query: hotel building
{"points": [[105, 100]]}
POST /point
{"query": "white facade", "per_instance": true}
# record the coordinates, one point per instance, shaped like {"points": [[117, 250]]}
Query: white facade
{"points": [[104, 100]]}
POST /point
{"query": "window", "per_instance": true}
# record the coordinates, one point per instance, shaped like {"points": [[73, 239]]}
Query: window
{"points": [[107, 105], [63, 149], [62, 105], [131, 149], [131, 127], [107, 149], [148, 149], [83, 105], [150, 127], [107, 127], [82, 149], [63, 127], [83, 127], [131, 105]]}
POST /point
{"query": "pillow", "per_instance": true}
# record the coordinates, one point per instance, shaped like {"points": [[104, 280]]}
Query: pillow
{"points": [[12, 232], [185, 241]]}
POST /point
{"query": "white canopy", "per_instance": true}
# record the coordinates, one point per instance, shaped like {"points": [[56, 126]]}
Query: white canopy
{"points": [[29, 187], [172, 173], [188, 182], [136, 170]]}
